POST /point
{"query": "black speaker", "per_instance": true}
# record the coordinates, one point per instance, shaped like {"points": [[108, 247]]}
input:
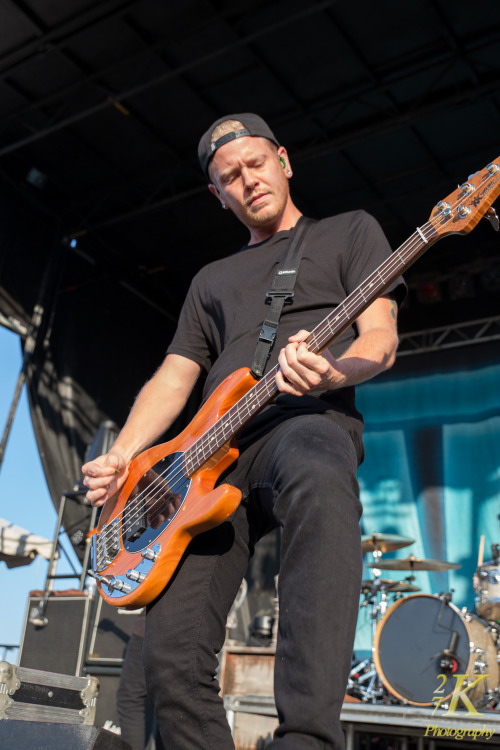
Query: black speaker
{"points": [[106, 714], [106, 711], [109, 634], [26, 735], [54, 637]]}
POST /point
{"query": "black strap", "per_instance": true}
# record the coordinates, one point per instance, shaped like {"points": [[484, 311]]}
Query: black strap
{"points": [[281, 291]]}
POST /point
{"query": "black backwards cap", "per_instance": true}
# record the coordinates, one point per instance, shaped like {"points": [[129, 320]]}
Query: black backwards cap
{"points": [[253, 126]]}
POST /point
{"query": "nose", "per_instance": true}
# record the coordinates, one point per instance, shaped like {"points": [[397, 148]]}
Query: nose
{"points": [[249, 177]]}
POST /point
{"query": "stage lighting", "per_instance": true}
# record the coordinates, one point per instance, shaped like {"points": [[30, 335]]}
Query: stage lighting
{"points": [[36, 178], [429, 292]]}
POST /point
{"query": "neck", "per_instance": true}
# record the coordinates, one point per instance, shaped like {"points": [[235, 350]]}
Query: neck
{"points": [[286, 220]]}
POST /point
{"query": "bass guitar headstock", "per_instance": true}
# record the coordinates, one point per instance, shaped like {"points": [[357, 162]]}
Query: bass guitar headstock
{"points": [[461, 210]]}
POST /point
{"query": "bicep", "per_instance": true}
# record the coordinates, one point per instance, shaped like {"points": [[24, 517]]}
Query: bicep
{"points": [[178, 374], [382, 313]]}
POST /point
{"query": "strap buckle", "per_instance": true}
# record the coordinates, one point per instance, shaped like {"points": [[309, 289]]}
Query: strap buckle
{"points": [[267, 333], [287, 295]]}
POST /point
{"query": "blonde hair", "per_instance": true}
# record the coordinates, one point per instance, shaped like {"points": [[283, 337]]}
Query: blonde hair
{"points": [[225, 127], [228, 126]]}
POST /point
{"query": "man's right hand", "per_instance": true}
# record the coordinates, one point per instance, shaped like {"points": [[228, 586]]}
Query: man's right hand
{"points": [[104, 476]]}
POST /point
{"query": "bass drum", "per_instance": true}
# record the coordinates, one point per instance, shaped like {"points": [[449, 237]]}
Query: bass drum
{"points": [[410, 643]]}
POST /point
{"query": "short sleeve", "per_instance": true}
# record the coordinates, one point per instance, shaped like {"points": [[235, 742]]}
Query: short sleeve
{"points": [[191, 338], [368, 249]]}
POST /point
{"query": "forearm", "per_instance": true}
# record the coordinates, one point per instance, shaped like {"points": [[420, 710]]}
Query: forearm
{"points": [[370, 354], [159, 402], [155, 409]]}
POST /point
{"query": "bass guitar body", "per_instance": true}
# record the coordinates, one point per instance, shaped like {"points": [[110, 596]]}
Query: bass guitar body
{"points": [[169, 497]]}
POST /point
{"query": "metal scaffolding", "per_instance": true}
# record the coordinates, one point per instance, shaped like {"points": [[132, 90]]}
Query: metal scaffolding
{"points": [[449, 337]]}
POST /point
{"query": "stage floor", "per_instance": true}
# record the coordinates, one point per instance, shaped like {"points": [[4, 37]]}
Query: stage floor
{"points": [[408, 726]]}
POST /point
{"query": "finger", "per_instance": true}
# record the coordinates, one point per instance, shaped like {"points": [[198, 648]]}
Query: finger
{"points": [[97, 497], [303, 369], [288, 377], [319, 364], [95, 483], [284, 386], [290, 369], [93, 469], [300, 336]]}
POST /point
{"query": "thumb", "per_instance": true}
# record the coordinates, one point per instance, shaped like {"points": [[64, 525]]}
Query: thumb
{"points": [[115, 461]]}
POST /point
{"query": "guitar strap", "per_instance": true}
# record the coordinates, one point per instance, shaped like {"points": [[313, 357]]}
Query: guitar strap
{"points": [[281, 292]]}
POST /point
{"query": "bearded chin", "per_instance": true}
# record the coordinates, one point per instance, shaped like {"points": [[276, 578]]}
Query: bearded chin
{"points": [[266, 214]]}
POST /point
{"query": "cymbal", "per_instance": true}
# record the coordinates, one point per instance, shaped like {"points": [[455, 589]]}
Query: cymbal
{"points": [[369, 583], [413, 563], [401, 587], [384, 542], [393, 587]]}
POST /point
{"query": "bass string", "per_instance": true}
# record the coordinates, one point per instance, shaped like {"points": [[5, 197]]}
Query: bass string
{"points": [[218, 429], [398, 259], [155, 491], [200, 446]]}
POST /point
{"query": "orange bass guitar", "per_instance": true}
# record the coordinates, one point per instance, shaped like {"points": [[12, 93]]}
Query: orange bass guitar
{"points": [[169, 495]]}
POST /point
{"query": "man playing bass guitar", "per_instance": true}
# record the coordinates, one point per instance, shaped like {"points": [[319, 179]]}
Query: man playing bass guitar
{"points": [[297, 460]]}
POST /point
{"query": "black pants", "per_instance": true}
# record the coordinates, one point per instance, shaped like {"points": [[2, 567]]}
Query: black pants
{"points": [[302, 476], [134, 709]]}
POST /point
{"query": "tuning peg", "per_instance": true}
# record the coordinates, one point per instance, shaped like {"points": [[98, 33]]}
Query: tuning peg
{"points": [[492, 217]]}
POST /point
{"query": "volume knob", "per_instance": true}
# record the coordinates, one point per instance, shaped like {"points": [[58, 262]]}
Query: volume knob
{"points": [[149, 554], [134, 575]]}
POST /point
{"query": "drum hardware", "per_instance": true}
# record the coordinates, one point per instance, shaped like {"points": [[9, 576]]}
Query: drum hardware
{"points": [[263, 630], [486, 584], [363, 682], [262, 627], [377, 544], [419, 637], [448, 660]]}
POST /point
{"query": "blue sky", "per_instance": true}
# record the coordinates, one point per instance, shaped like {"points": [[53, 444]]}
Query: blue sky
{"points": [[24, 499]]}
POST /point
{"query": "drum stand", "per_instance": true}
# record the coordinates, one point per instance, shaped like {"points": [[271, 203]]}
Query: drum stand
{"points": [[367, 678], [364, 679]]}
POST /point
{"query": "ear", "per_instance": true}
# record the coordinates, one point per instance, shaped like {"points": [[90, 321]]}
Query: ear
{"points": [[283, 154], [215, 191]]}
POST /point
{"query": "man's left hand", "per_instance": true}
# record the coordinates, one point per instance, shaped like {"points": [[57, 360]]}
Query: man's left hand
{"points": [[301, 371]]}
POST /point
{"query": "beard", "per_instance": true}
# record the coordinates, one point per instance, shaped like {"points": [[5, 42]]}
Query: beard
{"points": [[268, 211]]}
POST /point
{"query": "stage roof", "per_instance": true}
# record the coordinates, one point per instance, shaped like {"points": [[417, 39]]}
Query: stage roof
{"points": [[385, 106]]}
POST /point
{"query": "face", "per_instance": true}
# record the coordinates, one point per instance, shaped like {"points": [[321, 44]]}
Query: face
{"points": [[248, 177]]}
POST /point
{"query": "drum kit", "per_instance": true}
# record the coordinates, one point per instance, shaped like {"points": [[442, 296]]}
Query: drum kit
{"points": [[420, 641]]}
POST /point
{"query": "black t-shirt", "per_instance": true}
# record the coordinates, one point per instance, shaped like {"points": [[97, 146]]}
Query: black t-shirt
{"points": [[223, 312]]}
